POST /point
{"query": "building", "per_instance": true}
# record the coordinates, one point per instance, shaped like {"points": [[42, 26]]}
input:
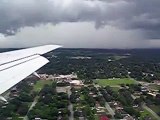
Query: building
{"points": [[76, 83], [104, 117]]}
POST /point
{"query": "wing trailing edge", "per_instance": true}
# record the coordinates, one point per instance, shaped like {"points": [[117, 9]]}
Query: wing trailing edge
{"points": [[17, 65]]}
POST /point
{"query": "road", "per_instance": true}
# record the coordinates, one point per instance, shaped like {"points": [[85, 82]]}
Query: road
{"points": [[32, 105], [26, 118], [70, 107], [151, 111], [109, 109]]}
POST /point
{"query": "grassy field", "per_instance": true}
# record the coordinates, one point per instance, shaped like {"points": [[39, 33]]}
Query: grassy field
{"points": [[115, 88], [155, 108], [39, 84], [115, 82], [82, 97], [146, 113], [154, 86], [118, 57]]}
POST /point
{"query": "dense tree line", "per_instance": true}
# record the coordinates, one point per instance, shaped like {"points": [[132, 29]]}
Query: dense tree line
{"points": [[105, 64]]}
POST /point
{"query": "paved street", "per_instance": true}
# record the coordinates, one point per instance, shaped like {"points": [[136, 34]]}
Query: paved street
{"points": [[109, 109], [32, 105], [70, 107], [106, 104], [25, 118]]}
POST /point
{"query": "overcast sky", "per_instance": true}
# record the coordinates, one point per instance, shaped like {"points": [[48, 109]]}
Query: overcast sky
{"points": [[80, 23]]}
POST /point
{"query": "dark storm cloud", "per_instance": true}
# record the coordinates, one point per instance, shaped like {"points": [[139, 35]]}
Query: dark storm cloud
{"points": [[126, 14]]}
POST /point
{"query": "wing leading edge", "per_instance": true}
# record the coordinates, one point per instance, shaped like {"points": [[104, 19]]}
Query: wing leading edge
{"points": [[17, 65]]}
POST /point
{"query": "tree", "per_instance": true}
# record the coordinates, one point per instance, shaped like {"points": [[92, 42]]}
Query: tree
{"points": [[157, 99], [63, 96], [54, 111], [23, 109], [25, 97], [65, 111], [138, 101], [15, 117], [87, 111], [46, 99], [122, 100], [62, 104], [132, 111], [91, 117], [118, 115], [16, 102], [8, 111], [47, 90]]}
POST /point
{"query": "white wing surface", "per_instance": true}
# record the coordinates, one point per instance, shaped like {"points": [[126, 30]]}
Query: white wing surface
{"points": [[17, 65]]}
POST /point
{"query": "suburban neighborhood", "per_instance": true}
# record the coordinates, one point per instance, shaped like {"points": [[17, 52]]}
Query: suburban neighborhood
{"points": [[67, 98]]}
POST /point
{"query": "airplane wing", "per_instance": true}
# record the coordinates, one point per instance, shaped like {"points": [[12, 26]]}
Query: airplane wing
{"points": [[17, 65]]}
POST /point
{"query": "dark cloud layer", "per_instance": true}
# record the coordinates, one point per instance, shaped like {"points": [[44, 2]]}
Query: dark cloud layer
{"points": [[126, 14]]}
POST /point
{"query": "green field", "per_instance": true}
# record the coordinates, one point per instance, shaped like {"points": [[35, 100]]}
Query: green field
{"points": [[115, 82], [115, 88], [39, 84], [154, 86], [82, 97], [155, 108], [146, 113], [118, 57]]}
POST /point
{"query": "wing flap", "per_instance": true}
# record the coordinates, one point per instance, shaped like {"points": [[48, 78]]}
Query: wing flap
{"points": [[12, 75], [17, 62]]}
